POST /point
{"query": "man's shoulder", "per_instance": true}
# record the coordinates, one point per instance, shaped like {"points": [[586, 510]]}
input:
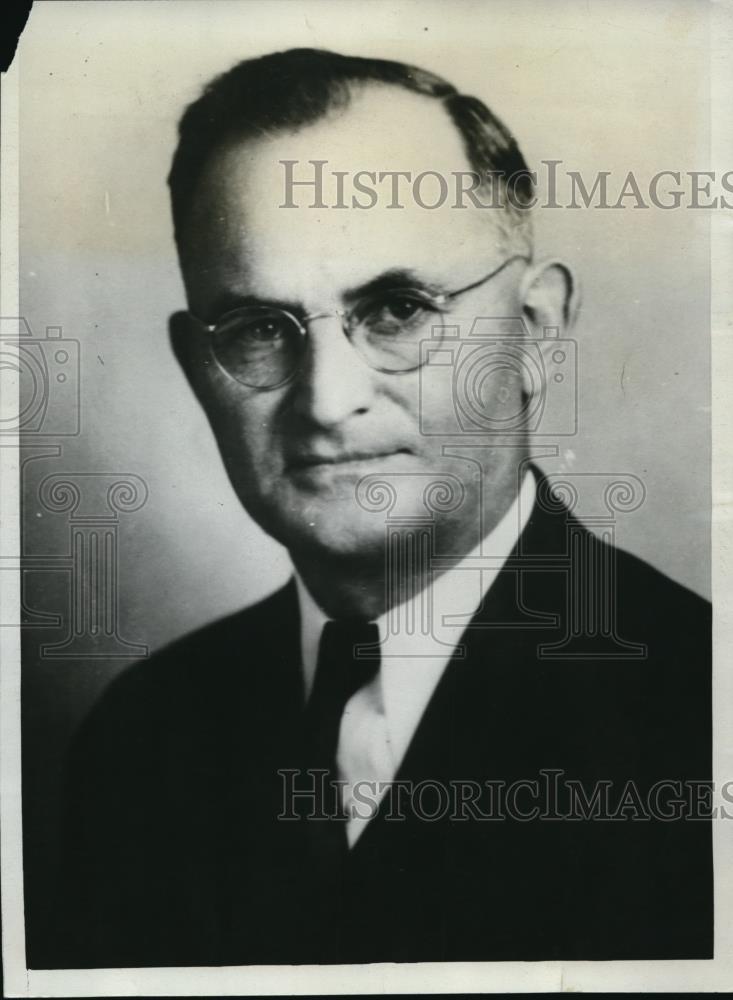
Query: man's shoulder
{"points": [[642, 585], [599, 569], [235, 657], [626, 644], [237, 636], [581, 571], [630, 599]]}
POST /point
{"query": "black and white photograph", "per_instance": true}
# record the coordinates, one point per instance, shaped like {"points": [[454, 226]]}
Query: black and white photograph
{"points": [[366, 498]]}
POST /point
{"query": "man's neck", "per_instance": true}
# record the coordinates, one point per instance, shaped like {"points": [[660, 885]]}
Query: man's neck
{"points": [[345, 588]]}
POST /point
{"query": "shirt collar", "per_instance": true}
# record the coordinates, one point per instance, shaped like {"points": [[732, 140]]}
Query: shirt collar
{"points": [[415, 656]]}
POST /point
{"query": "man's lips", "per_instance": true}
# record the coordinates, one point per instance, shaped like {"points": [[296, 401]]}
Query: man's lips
{"points": [[313, 460]]}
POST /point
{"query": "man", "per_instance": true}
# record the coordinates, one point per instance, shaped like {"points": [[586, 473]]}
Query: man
{"points": [[370, 764]]}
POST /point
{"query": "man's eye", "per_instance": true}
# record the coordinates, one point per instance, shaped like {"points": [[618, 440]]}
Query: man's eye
{"points": [[403, 307], [393, 312], [254, 330], [263, 331]]}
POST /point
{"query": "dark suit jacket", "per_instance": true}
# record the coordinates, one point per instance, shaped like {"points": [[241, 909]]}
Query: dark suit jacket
{"points": [[174, 854]]}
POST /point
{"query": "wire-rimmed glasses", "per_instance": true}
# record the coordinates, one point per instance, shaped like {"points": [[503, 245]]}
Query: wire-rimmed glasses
{"points": [[263, 346]]}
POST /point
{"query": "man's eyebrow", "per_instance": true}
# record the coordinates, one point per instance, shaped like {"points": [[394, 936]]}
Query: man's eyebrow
{"points": [[229, 300], [387, 281], [390, 280]]}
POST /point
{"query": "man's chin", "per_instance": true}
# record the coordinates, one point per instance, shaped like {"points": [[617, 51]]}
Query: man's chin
{"points": [[326, 535]]}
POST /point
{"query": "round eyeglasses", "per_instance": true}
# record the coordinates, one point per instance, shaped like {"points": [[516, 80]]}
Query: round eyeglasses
{"points": [[263, 347]]}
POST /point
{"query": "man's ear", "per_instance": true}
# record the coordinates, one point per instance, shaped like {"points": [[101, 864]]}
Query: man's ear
{"points": [[550, 301], [550, 296]]}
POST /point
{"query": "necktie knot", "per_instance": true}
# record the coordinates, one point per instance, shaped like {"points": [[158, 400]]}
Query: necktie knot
{"points": [[348, 658]]}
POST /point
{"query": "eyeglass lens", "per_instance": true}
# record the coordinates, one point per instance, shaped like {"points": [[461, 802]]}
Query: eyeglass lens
{"points": [[263, 347]]}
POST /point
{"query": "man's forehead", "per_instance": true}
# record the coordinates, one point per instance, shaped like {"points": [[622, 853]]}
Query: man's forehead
{"points": [[383, 127], [240, 213]]}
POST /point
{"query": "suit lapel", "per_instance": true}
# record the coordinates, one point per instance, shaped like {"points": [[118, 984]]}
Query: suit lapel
{"points": [[489, 711]]}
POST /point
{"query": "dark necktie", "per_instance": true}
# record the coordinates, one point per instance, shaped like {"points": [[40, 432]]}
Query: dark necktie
{"points": [[340, 672]]}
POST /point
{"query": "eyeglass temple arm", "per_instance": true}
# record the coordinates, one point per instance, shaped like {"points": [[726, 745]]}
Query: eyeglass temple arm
{"points": [[482, 281]]}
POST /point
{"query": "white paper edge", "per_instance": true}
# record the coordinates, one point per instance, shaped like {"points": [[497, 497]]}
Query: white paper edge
{"points": [[489, 977]]}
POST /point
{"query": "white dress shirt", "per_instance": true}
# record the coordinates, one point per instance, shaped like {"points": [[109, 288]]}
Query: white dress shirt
{"points": [[381, 718]]}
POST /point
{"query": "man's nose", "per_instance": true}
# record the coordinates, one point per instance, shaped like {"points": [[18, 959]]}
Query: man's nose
{"points": [[334, 382]]}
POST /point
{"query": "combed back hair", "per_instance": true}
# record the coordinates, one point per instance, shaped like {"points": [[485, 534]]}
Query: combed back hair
{"points": [[284, 91]]}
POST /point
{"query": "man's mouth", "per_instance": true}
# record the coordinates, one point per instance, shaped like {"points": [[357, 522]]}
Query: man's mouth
{"points": [[306, 460]]}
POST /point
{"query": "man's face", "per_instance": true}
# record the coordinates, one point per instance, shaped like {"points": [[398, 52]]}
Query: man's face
{"points": [[295, 454]]}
